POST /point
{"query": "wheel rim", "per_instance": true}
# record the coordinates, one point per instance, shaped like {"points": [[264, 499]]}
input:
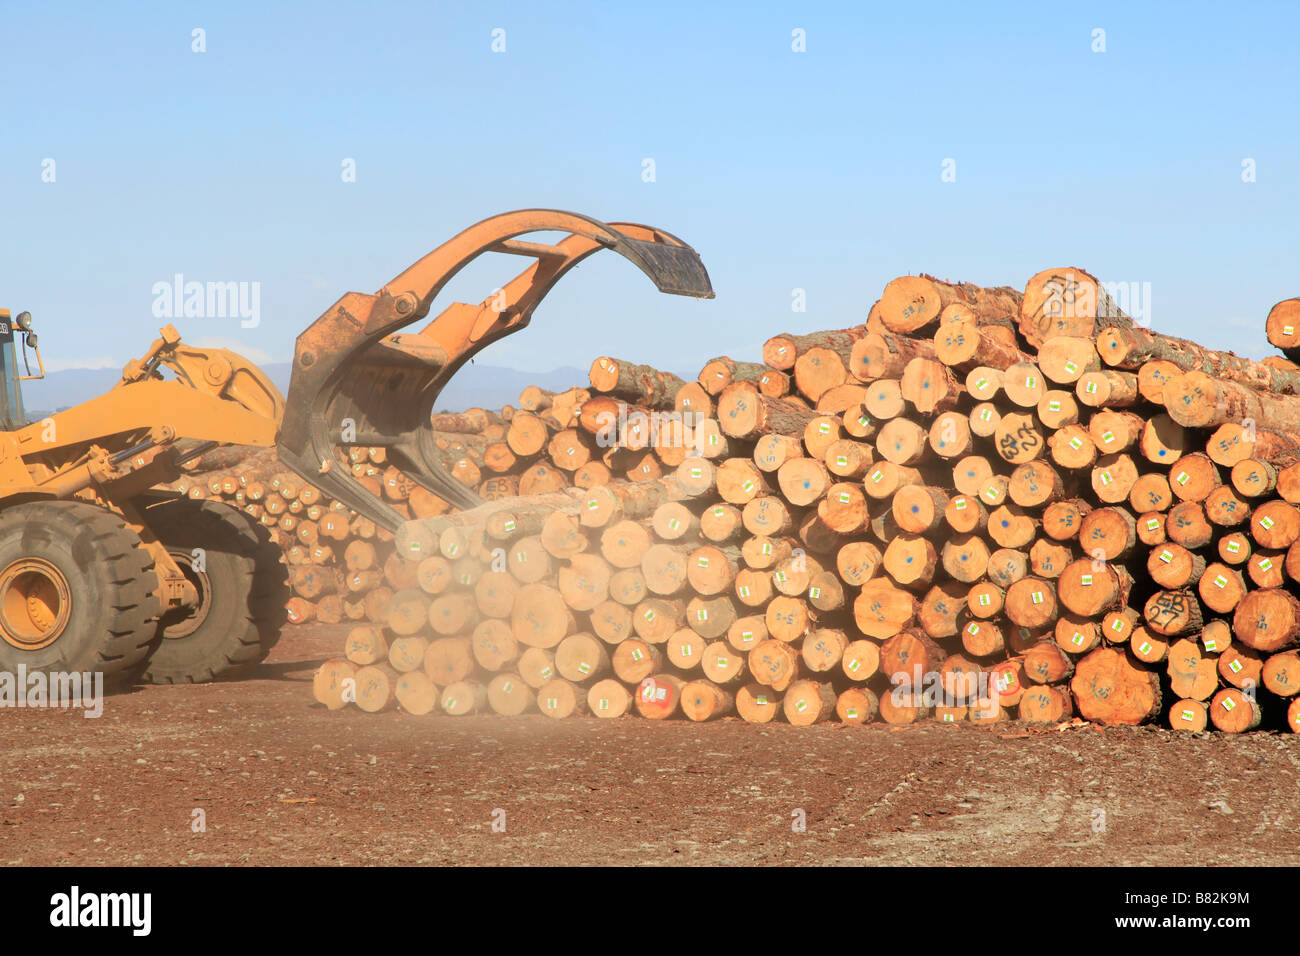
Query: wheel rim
{"points": [[184, 621], [35, 604]]}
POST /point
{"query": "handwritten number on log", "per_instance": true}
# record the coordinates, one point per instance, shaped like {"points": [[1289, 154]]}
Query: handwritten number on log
{"points": [[1169, 607]]}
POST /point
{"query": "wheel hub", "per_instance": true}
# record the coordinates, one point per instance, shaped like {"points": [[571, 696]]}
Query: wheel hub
{"points": [[184, 621], [35, 603]]}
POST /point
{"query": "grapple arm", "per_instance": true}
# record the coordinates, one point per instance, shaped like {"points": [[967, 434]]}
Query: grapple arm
{"points": [[355, 376]]}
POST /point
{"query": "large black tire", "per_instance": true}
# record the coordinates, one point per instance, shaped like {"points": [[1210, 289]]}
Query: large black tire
{"points": [[243, 589], [78, 591]]}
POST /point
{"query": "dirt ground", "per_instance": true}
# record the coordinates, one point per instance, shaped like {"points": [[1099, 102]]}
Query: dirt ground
{"points": [[282, 781]]}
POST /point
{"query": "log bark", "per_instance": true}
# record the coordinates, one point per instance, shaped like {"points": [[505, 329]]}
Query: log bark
{"points": [[912, 303], [635, 383], [1130, 347], [782, 351], [1198, 400]]}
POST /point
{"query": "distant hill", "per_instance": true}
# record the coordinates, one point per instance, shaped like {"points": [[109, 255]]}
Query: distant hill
{"points": [[483, 386]]}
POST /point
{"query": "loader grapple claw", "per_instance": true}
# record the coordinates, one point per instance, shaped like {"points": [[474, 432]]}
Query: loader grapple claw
{"points": [[356, 379], [676, 270]]}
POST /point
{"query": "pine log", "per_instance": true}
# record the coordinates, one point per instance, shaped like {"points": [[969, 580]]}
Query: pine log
{"points": [[635, 383], [1111, 689]]}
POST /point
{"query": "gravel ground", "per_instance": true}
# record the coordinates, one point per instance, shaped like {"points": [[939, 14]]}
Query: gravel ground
{"points": [[279, 780]]}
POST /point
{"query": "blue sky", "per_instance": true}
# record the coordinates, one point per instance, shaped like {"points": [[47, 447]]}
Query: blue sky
{"points": [[818, 170]]}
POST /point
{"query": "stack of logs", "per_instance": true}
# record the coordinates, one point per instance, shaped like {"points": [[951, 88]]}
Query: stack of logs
{"points": [[343, 567], [981, 504]]}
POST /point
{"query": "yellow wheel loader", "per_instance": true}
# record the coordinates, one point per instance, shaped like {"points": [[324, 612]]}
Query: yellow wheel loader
{"points": [[102, 570]]}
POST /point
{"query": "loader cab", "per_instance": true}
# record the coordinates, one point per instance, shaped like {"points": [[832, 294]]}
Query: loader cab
{"points": [[12, 415]]}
